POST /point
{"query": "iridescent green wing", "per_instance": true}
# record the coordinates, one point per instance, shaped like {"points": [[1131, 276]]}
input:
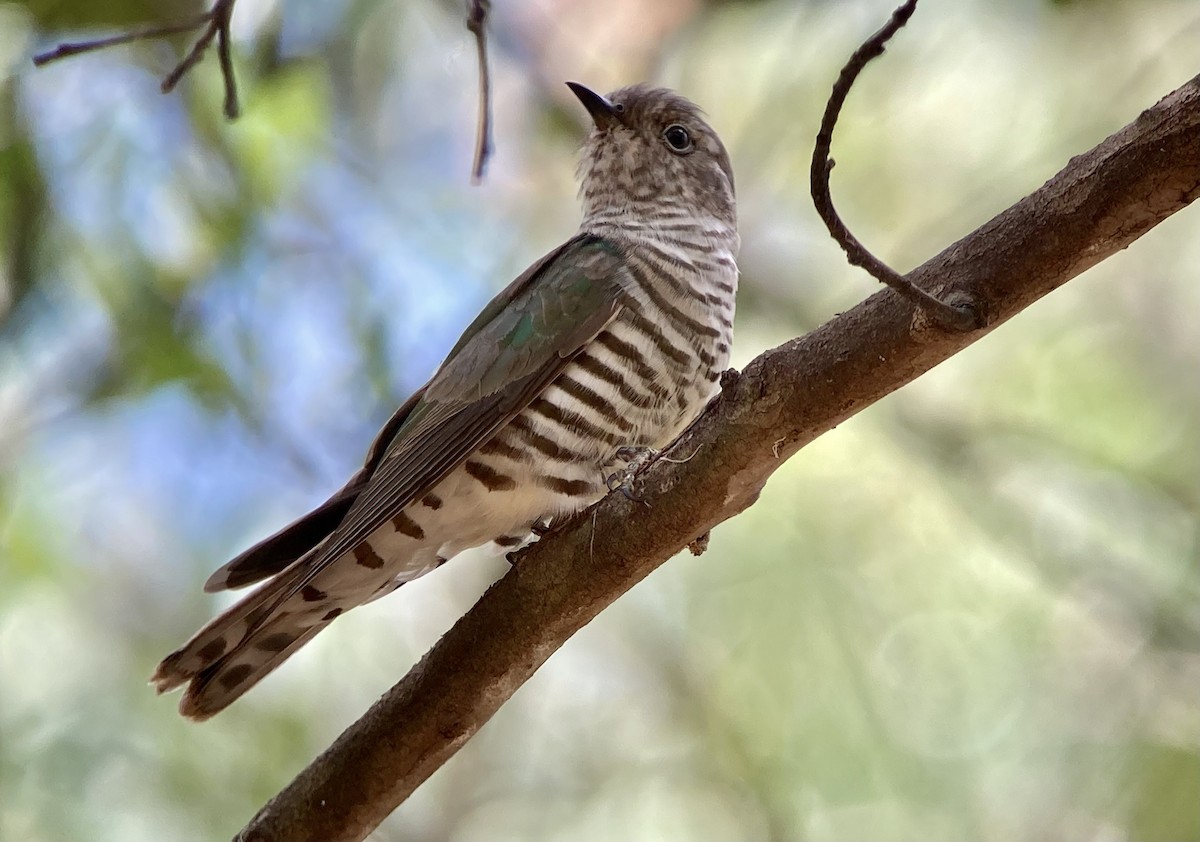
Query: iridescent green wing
{"points": [[276, 553], [508, 355], [495, 368]]}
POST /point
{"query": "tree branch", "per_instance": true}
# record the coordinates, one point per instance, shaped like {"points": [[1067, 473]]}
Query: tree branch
{"points": [[477, 14], [216, 22], [1098, 204], [954, 316], [216, 25]]}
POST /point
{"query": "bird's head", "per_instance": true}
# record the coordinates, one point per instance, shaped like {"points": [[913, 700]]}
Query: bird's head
{"points": [[649, 151]]}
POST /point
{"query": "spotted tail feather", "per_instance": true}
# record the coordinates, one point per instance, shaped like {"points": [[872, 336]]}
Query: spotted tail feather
{"points": [[238, 648], [215, 687]]}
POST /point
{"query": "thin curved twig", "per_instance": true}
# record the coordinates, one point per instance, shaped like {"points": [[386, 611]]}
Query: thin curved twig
{"points": [[215, 23], [477, 13], [951, 316]]}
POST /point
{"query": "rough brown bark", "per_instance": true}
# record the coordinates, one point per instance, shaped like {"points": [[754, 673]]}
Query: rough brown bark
{"points": [[1100, 203]]}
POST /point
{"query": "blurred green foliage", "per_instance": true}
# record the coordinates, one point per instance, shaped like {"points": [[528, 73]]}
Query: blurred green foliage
{"points": [[971, 612]]}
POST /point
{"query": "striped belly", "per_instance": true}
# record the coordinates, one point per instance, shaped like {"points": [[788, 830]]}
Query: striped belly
{"points": [[640, 382], [554, 457]]}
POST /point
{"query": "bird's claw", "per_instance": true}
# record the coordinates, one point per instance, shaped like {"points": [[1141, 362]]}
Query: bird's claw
{"points": [[622, 481], [636, 458]]}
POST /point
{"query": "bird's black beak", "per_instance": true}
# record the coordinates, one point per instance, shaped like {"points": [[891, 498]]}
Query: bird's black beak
{"points": [[604, 113]]}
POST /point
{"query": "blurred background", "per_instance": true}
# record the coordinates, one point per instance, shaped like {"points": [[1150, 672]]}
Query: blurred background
{"points": [[970, 613]]}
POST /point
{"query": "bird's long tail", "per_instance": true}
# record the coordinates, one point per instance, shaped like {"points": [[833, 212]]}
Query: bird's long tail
{"points": [[241, 646]]}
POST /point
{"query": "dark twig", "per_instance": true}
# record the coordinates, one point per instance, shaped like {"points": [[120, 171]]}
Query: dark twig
{"points": [[215, 23], [224, 55], [477, 12], [73, 49], [955, 317], [193, 57]]}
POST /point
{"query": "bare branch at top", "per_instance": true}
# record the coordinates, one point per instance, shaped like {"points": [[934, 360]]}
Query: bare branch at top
{"points": [[214, 25], [477, 13]]}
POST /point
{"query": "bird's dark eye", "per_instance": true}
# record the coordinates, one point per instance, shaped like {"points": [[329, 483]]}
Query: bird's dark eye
{"points": [[678, 139]]}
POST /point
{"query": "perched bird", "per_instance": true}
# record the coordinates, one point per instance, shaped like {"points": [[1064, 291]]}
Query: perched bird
{"points": [[617, 338]]}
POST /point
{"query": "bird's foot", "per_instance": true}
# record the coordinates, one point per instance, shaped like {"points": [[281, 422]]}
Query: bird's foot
{"points": [[539, 529], [636, 458]]}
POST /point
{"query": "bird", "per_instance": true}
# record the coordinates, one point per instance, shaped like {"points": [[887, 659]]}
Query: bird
{"points": [[615, 340]]}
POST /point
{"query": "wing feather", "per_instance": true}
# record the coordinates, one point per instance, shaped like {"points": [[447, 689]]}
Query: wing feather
{"points": [[541, 322], [277, 552]]}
